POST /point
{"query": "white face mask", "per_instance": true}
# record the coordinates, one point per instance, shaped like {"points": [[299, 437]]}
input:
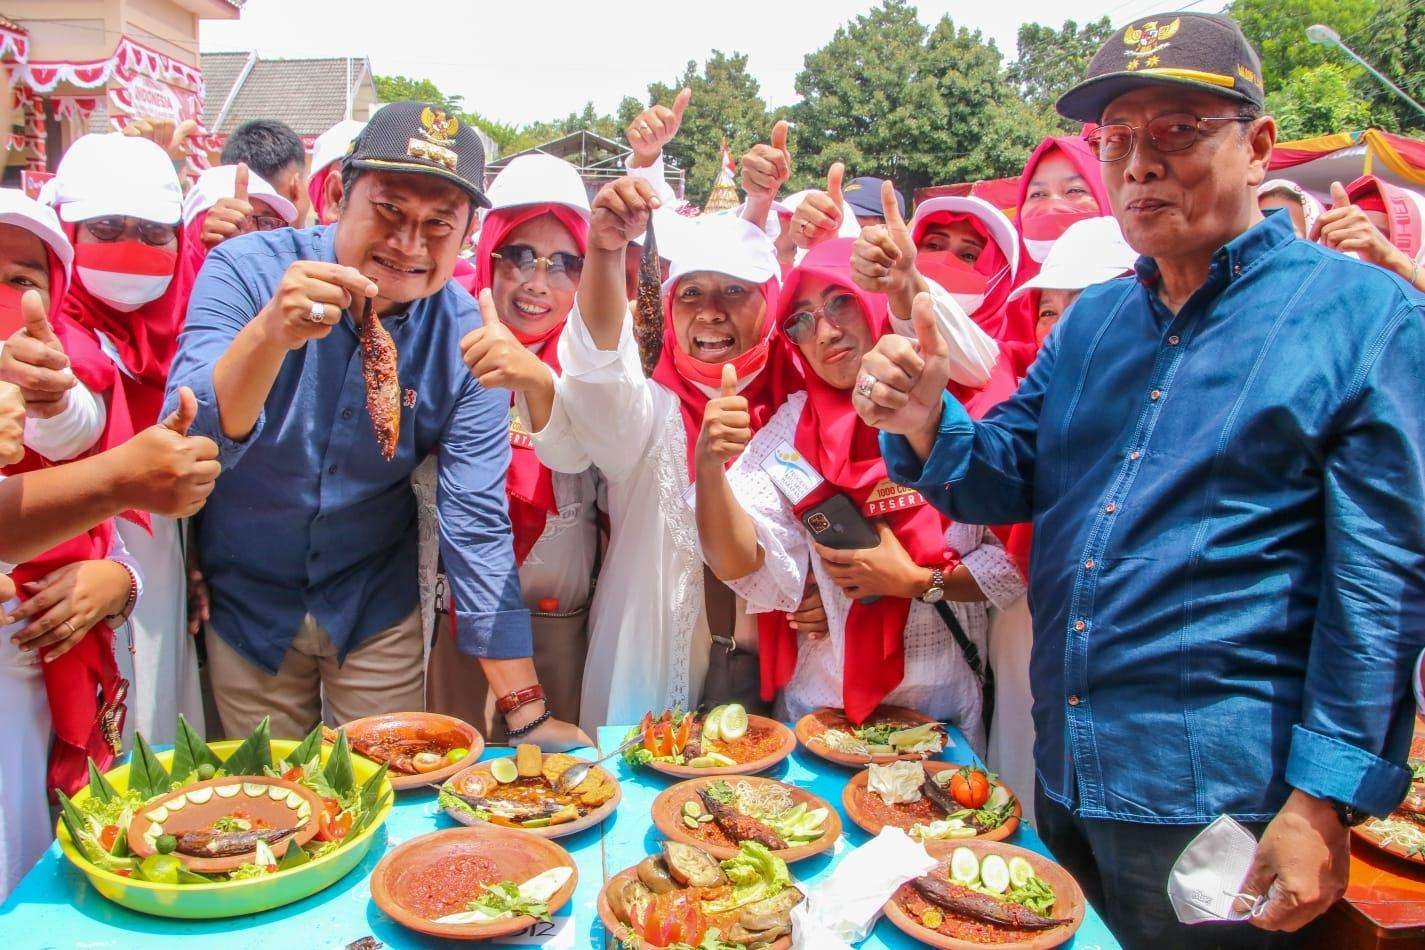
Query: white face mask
{"points": [[1039, 250], [969, 302], [123, 292], [1206, 880]]}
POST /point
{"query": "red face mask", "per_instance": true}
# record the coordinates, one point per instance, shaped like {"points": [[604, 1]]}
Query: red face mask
{"points": [[1046, 224], [710, 374], [125, 274], [967, 285], [10, 317], [534, 339]]}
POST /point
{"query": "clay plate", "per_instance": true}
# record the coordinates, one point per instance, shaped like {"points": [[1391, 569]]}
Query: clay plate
{"points": [[813, 724], [419, 724], [1070, 901], [668, 817], [853, 795], [551, 831], [1393, 849], [784, 748], [617, 928], [517, 856], [193, 816]]}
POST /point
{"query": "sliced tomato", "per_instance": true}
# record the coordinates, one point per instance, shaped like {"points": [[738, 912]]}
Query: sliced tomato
{"points": [[688, 923], [294, 774], [108, 836], [681, 735], [124, 872], [662, 738], [333, 824]]}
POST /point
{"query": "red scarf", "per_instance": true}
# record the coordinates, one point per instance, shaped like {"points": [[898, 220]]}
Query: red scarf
{"points": [[847, 454], [146, 338], [1405, 214], [990, 270], [771, 361], [529, 485], [1018, 317]]}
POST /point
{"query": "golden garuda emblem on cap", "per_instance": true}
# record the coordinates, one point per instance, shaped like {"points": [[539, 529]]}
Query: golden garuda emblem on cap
{"points": [[439, 131], [1149, 38]]}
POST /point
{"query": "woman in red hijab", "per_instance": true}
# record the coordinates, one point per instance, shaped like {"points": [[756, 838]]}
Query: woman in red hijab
{"points": [[529, 257], [895, 648], [968, 247]]}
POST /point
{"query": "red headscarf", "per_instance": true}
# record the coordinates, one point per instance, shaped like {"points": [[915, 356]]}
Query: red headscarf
{"points": [[1019, 316], [146, 338], [990, 275], [776, 374], [529, 485], [1404, 211], [83, 685], [847, 453]]}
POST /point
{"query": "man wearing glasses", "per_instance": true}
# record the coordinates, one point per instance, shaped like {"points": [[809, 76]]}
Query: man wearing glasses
{"points": [[309, 542], [1222, 458]]}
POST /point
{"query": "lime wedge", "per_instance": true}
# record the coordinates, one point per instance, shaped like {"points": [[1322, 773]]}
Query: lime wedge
{"points": [[1021, 872], [994, 873], [504, 771], [733, 722], [964, 866]]}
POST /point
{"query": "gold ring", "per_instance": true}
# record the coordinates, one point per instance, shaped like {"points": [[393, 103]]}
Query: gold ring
{"points": [[73, 630]]}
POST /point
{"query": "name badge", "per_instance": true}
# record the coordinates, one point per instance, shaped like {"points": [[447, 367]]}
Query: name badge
{"points": [[887, 496], [519, 435], [791, 473]]}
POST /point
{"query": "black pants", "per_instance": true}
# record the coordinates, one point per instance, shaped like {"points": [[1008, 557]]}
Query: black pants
{"points": [[1123, 868]]}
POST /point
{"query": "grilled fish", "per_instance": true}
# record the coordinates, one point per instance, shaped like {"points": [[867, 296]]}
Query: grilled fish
{"points": [[967, 903], [225, 844], [383, 388], [648, 303], [740, 827]]}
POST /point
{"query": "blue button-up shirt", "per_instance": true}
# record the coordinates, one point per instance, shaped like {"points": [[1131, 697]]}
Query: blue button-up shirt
{"points": [[1228, 575], [307, 517]]}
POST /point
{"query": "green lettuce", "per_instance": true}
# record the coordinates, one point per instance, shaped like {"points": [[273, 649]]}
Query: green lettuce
{"points": [[756, 874]]}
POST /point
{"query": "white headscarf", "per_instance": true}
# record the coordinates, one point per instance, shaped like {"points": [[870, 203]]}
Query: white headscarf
{"points": [[1311, 208]]}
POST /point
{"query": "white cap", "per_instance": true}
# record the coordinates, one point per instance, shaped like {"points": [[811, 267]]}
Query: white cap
{"points": [[724, 244], [538, 179], [1090, 252], [111, 173], [1000, 228], [220, 182], [22, 211], [333, 143]]}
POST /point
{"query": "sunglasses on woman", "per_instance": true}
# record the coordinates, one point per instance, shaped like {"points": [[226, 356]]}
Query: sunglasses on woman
{"points": [[800, 327], [115, 227], [563, 268]]}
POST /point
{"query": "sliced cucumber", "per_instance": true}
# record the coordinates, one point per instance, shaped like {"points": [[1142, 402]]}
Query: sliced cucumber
{"points": [[692, 809], [999, 797], [994, 874], [1021, 872], [713, 760], [690, 821], [712, 727], [504, 771], [732, 724], [964, 866]]}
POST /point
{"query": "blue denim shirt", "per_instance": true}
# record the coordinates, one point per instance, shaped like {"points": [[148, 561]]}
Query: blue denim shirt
{"points": [[307, 517], [1228, 574]]}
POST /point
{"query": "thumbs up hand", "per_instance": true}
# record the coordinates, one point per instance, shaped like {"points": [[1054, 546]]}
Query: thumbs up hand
{"points": [[883, 257], [654, 127], [229, 217], [1346, 228], [497, 359], [34, 360], [766, 167], [727, 423], [818, 218], [165, 470], [902, 382]]}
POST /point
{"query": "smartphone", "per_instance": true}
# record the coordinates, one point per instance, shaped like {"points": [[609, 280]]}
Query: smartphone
{"points": [[837, 523]]}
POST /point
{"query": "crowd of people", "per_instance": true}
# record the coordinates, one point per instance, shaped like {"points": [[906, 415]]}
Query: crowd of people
{"points": [[1128, 486]]}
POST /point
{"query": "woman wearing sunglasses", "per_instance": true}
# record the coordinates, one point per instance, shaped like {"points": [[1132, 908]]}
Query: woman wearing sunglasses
{"points": [[529, 256], [888, 641], [120, 204]]}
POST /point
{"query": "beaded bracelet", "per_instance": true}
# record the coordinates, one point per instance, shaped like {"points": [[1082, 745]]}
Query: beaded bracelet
{"points": [[528, 727], [122, 615]]}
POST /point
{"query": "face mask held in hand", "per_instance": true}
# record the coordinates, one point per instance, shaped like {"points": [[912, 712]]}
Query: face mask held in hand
{"points": [[1206, 880]]}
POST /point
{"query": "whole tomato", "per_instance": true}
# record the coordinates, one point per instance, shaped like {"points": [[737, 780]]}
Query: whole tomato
{"points": [[970, 787]]}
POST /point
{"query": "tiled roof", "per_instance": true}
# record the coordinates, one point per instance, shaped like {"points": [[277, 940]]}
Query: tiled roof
{"points": [[307, 94]]}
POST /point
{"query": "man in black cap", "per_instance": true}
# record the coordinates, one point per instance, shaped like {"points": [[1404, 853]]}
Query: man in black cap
{"points": [[1224, 460], [309, 540]]}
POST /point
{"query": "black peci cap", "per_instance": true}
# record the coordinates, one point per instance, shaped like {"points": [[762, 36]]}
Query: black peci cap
{"points": [[1194, 50], [422, 139]]}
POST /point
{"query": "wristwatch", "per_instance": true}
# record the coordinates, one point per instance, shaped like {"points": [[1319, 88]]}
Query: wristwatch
{"points": [[936, 593], [1350, 815]]}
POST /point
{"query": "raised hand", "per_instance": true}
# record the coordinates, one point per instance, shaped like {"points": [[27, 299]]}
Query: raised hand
{"points": [[883, 257], [818, 218], [12, 424], [163, 469], [310, 299], [34, 360], [654, 127], [165, 133], [497, 359], [766, 167], [620, 213], [1346, 228], [902, 382], [727, 423], [228, 217]]}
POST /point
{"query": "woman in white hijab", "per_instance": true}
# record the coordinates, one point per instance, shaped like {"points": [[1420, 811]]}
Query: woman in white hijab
{"points": [[1301, 204]]}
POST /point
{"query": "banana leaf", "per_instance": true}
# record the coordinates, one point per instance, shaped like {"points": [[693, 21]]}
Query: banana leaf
{"points": [[147, 776], [295, 857], [338, 771], [255, 753], [190, 751], [99, 786], [309, 749]]}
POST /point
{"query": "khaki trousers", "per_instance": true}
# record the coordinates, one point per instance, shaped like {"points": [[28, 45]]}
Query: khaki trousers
{"points": [[385, 674], [457, 685]]}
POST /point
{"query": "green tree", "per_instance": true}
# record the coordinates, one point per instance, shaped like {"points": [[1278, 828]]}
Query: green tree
{"points": [[403, 89], [1317, 100], [1049, 61], [1394, 43], [1277, 28], [727, 105]]}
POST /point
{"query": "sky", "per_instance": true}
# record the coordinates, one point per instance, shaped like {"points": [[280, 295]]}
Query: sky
{"points": [[519, 61]]}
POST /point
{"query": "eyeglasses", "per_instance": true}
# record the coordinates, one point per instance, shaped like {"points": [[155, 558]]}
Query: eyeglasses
{"points": [[563, 268], [264, 222], [840, 310], [113, 228], [1168, 133]]}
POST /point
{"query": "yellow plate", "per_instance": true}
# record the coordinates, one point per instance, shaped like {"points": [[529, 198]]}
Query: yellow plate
{"points": [[230, 898]]}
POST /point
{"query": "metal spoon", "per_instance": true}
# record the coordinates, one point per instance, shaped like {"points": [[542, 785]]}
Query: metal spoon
{"points": [[577, 773]]}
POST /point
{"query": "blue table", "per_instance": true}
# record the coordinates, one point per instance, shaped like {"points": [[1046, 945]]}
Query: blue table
{"points": [[54, 906]]}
